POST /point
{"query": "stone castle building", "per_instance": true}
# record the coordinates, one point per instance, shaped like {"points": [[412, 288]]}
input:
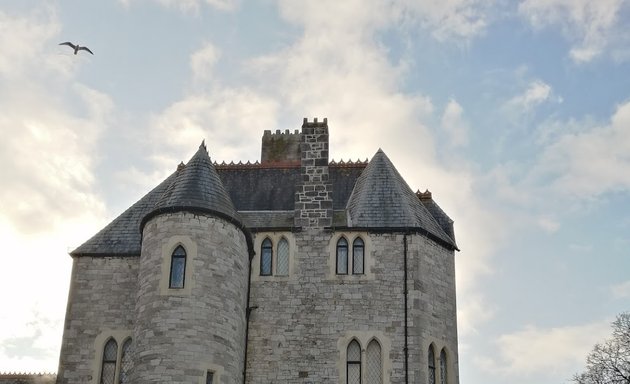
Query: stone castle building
{"points": [[296, 269]]}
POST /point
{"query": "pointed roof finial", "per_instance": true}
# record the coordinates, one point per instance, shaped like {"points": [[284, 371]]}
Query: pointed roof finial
{"points": [[203, 144]]}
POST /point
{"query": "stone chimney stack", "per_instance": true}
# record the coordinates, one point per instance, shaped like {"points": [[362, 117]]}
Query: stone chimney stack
{"points": [[313, 195]]}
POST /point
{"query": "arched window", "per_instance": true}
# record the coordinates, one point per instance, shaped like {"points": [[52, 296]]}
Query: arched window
{"points": [[357, 256], [178, 268], [342, 256], [443, 378], [266, 256], [431, 363], [126, 362], [374, 368], [353, 365], [108, 367], [282, 260]]}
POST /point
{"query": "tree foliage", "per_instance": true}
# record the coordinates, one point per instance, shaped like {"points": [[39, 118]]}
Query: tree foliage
{"points": [[609, 362]]}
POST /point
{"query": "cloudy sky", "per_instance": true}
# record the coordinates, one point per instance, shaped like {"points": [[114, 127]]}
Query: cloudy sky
{"points": [[515, 114]]}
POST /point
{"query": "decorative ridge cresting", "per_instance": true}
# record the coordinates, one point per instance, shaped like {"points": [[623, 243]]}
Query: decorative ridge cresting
{"points": [[286, 164], [348, 164]]}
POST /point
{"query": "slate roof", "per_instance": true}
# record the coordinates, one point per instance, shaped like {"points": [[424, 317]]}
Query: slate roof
{"points": [[197, 187], [261, 197], [263, 188], [440, 216], [122, 236], [382, 199]]}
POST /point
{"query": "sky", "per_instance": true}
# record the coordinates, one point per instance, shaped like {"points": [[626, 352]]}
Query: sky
{"points": [[514, 114]]}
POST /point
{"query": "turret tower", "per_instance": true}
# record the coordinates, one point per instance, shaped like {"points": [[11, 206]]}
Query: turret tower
{"points": [[192, 283]]}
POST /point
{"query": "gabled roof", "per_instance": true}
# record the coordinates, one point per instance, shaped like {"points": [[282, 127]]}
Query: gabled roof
{"points": [[382, 199], [197, 187]]}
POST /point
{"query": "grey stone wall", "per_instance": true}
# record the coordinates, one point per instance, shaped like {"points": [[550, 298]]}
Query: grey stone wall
{"points": [[102, 298], [179, 335], [298, 330], [280, 147], [300, 323], [432, 306]]}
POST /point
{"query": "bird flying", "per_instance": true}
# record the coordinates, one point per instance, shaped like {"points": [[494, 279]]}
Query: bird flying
{"points": [[76, 47]]}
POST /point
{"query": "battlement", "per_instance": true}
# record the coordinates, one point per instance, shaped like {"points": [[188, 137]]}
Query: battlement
{"points": [[280, 147], [268, 132], [315, 123]]}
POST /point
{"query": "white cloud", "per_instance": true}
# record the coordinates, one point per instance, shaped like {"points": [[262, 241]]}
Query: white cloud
{"points": [[621, 290], [592, 26], [454, 19], [451, 20], [548, 224], [226, 116], [202, 62], [34, 31], [471, 313], [37, 121], [534, 350], [590, 162], [536, 93], [454, 125], [193, 6], [50, 125]]}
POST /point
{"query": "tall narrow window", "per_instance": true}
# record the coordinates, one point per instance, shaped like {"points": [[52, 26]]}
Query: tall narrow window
{"points": [[443, 378], [342, 256], [209, 377], [357, 256], [178, 268], [282, 260], [126, 362], [108, 368], [373, 366], [353, 366], [266, 256], [431, 363]]}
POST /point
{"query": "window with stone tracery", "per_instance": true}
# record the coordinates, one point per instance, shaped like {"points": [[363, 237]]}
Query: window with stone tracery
{"points": [[373, 363], [350, 255], [282, 258], [116, 362], [178, 268], [443, 377], [353, 363], [357, 256], [126, 363], [266, 257], [108, 366], [342, 256], [431, 364], [364, 366]]}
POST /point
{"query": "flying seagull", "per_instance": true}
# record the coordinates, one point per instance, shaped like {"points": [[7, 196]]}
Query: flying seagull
{"points": [[77, 47]]}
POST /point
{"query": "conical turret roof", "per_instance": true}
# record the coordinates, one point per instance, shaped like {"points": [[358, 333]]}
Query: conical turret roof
{"points": [[382, 199], [197, 187]]}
